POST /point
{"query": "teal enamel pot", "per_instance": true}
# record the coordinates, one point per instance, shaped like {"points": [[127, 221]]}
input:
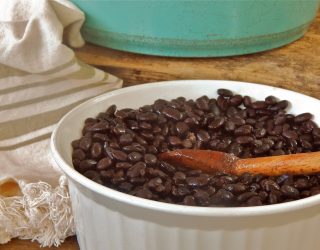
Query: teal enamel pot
{"points": [[195, 28]]}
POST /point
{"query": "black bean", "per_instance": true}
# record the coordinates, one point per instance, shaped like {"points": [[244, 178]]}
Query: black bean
{"points": [[141, 141], [254, 187], [172, 113], [138, 147], [121, 114], [214, 109], [85, 143], [119, 129], [290, 191], [189, 200], [150, 159], [203, 135], [246, 178], [315, 192], [282, 104], [217, 123], [104, 163], [119, 155], [259, 105], [301, 184], [274, 197], [230, 126], [125, 186], [195, 172], [302, 117], [137, 180], [174, 140], [182, 128], [235, 188], [114, 145], [231, 112], [78, 154], [269, 185], [134, 156], [180, 191], [76, 163], [91, 174], [254, 201], [96, 150], [111, 110], [198, 181], [245, 196], [281, 179], [280, 120], [225, 92], [244, 130], [247, 101], [290, 134], [143, 193], [244, 139], [261, 149], [168, 186], [99, 137], [147, 135], [100, 127], [201, 197], [223, 196], [75, 144], [152, 149], [237, 121], [137, 170], [306, 145], [222, 103], [316, 133], [166, 167], [123, 165], [156, 172], [87, 164], [278, 152], [229, 178], [235, 149], [148, 116], [202, 104], [270, 100], [146, 125], [179, 177], [155, 183], [235, 100], [118, 177]]}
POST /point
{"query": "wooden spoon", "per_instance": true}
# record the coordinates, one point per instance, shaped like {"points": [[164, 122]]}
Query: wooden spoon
{"points": [[214, 161]]}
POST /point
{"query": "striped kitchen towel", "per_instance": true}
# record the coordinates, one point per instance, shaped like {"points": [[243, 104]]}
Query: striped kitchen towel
{"points": [[40, 81]]}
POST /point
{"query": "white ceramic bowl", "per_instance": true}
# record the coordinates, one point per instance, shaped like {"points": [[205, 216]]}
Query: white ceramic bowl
{"points": [[108, 219]]}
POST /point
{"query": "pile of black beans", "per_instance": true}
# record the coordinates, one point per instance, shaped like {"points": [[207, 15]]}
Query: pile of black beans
{"points": [[119, 149]]}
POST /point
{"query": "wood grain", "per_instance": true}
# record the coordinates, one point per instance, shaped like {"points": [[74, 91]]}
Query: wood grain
{"points": [[15, 244], [295, 66]]}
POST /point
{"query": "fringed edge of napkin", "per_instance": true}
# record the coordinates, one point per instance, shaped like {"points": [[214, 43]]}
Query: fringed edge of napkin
{"points": [[42, 213]]}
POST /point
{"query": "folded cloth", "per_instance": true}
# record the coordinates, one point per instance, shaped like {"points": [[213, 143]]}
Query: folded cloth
{"points": [[40, 80]]}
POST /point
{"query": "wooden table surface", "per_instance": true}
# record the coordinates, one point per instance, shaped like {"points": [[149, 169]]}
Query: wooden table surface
{"points": [[295, 66]]}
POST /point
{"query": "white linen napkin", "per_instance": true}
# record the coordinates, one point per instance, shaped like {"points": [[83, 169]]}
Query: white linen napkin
{"points": [[40, 80]]}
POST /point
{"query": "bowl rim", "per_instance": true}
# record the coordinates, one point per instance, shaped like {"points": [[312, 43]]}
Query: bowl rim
{"points": [[166, 207]]}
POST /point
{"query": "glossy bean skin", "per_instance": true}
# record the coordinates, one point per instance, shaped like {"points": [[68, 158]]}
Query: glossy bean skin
{"points": [[119, 149]]}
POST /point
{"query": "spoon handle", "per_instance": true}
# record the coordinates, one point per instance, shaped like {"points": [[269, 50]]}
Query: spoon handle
{"points": [[295, 164]]}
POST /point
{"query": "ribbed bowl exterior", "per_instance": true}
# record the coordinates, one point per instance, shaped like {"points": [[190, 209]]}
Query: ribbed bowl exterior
{"points": [[104, 224]]}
